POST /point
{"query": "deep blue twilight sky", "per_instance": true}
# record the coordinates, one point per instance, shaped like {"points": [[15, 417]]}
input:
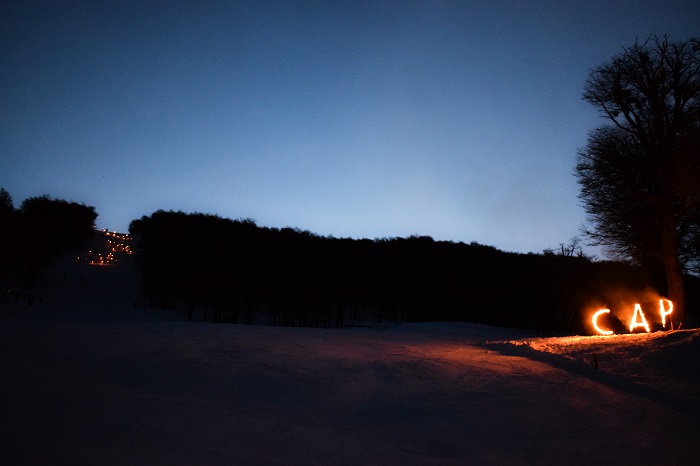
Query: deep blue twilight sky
{"points": [[455, 119]]}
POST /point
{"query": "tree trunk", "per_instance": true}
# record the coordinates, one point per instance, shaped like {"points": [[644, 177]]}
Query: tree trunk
{"points": [[669, 235], [672, 268]]}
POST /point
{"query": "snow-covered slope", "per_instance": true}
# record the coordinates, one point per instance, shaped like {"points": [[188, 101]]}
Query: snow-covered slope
{"points": [[89, 379]]}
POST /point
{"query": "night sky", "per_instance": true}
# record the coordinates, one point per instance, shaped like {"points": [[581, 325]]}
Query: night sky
{"points": [[460, 120]]}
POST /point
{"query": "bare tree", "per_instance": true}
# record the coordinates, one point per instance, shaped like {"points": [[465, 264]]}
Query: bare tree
{"points": [[573, 248], [631, 171]]}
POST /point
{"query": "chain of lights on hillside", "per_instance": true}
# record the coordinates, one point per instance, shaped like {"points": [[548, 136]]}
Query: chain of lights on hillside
{"points": [[117, 244]]}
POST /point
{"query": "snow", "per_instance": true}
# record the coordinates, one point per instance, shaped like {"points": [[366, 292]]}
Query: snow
{"points": [[87, 378]]}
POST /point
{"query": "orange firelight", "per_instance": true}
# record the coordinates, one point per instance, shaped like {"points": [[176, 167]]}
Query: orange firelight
{"points": [[663, 311], [638, 318], [638, 323], [595, 322]]}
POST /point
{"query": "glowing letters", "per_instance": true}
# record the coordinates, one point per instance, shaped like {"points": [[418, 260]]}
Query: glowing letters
{"points": [[638, 319], [663, 311], [638, 323], [595, 322]]}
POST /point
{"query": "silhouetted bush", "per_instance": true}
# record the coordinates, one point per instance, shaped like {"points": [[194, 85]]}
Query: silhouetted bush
{"points": [[39, 231], [8, 233]]}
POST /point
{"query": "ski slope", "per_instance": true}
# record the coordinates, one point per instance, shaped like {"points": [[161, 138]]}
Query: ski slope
{"points": [[87, 378]]}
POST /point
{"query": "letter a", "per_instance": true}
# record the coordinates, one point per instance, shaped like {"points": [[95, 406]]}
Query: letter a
{"points": [[638, 323]]}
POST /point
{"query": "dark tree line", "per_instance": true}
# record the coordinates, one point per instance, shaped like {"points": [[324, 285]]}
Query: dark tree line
{"points": [[43, 228], [233, 270]]}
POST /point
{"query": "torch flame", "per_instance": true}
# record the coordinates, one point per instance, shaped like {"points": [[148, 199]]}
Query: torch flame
{"points": [[638, 323], [595, 322], [663, 311]]}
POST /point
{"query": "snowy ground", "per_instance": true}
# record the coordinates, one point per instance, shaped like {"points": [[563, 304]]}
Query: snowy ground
{"points": [[89, 379]]}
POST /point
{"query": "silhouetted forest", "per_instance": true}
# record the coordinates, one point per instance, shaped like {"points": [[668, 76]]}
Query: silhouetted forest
{"points": [[226, 270], [43, 228]]}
